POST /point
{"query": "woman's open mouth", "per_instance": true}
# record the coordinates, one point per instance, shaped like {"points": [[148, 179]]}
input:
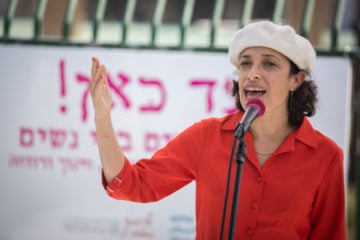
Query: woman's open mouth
{"points": [[254, 92]]}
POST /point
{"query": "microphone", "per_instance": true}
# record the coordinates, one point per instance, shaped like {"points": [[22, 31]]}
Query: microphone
{"points": [[254, 108]]}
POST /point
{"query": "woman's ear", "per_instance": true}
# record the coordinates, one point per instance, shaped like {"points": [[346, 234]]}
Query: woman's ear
{"points": [[297, 80]]}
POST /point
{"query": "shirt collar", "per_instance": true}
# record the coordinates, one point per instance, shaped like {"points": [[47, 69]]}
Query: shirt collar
{"points": [[307, 134], [230, 121]]}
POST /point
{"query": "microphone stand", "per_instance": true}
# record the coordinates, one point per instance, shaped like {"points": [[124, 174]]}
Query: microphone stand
{"points": [[254, 108], [240, 160]]}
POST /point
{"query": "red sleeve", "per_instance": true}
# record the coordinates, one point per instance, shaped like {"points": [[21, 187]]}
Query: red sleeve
{"points": [[116, 181], [328, 218], [169, 169]]}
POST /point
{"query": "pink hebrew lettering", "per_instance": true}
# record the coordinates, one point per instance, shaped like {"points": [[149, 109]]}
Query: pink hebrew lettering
{"points": [[15, 161], [74, 164], [228, 89], [84, 79], [32, 162], [47, 162], [118, 89], [57, 137], [153, 141], [75, 140], [93, 136], [68, 164], [124, 140], [39, 161], [26, 137], [210, 84], [167, 137], [150, 107], [85, 163], [42, 133], [63, 107], [138, 227]]}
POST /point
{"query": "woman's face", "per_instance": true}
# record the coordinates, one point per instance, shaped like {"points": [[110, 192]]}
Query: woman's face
{"points": [[265, 74]]}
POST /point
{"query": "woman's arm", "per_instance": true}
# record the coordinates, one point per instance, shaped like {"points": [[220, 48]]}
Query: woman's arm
{"points": [[111, 155]]}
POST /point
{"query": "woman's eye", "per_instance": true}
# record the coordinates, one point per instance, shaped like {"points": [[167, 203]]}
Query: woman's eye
{"points": [[245, 63], [270, 64]]}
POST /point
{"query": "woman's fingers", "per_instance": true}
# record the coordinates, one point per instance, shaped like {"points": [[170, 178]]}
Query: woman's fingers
{"points": [[98, 76], [93, 63], [94, 67], [99, 89]]}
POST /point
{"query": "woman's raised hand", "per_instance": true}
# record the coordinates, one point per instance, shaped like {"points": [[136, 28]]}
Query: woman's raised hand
{"points": [[100, 90]]}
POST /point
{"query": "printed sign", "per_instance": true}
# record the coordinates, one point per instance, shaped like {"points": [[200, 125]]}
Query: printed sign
{"points": [[50, 168]]}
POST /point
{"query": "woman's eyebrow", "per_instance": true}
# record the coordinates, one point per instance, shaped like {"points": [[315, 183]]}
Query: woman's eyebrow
{"points": [[270, 56], [245, 56]]}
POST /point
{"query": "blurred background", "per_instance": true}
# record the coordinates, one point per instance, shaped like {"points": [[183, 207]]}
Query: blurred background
{"points": [[192, 25]]}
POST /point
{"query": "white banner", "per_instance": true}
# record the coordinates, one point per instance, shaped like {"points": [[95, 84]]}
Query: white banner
{"points": [[50, 170]]}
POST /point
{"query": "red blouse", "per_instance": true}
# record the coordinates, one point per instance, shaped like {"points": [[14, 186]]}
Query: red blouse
{"points": [[297, 194]]}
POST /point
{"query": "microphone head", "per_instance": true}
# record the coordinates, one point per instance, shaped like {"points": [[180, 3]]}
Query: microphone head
{"points": [[257, 103]]}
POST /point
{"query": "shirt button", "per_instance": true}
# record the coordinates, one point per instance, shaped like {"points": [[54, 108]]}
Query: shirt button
{"points": [[254, 205], [249, 231], [119, 181], [259, 179]]}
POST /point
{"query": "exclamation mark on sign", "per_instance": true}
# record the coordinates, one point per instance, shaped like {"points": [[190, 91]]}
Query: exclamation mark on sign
{"points": [[63, 107]]}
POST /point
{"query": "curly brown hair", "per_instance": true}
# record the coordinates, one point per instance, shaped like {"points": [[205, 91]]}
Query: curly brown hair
{"points": [[302, 102]]}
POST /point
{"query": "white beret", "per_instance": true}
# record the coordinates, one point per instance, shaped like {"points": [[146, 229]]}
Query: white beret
{"points": [[281, 38]]}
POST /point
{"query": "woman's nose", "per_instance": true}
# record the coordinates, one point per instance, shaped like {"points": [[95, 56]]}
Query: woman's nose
{"points": [[254, 74]]}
